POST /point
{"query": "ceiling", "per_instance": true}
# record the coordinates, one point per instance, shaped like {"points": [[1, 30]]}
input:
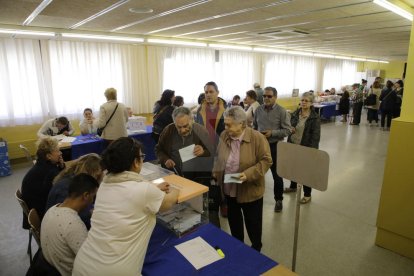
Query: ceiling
{"points": [[342, 27]]}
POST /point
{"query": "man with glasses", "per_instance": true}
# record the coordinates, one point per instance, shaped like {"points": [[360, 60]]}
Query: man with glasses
{"points": [[273, 122], [181, 134]]}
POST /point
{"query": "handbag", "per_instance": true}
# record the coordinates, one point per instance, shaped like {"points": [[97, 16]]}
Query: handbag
{"points": [[370, 100], [101, 129]]}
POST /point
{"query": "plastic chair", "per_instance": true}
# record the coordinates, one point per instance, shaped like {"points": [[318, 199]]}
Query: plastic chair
{"points": [[25, 214], [27, 154], [34, 221]]}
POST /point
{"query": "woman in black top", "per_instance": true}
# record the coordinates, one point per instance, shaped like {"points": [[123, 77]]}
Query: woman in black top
{"points": [[38, 180], [344, 106], [388, 99], [163, 113]]}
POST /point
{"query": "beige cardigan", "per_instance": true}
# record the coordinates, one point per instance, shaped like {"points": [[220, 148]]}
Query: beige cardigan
{"points": [[116, 128], [255, 160]]}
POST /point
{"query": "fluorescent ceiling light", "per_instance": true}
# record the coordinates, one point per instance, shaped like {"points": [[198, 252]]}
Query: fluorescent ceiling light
{"points": [[96, 15], [383, 61], [103, 37], [269, 50], [343, 57], [36, 12], [394, 8], [359, 59], [299, 53], [323, 55], [372, 60], [22, 32], [226, 46], [176, 42]]}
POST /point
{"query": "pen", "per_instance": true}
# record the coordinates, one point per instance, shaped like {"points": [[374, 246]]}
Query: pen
{"points": [[175, 171], [219, 251]]}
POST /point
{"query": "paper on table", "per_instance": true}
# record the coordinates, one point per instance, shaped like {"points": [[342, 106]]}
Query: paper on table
{"points": [[198, 252], [59, 137], [187, 153], [232, 178], [68, 139]]}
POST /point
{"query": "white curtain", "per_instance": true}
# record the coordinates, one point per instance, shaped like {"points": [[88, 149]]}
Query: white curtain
{"points": [[79, 74], [285, 73], [186, 70], [338, 73], [22, 90]]}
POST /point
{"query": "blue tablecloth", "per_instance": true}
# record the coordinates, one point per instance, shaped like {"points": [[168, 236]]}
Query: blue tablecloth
{"points": [[327, 110], [163, 258], [85, 144]]}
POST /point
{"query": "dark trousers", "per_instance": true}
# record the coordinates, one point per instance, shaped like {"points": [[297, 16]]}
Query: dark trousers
{"points": [[386, 114], [253, 218], [356, 113], [307, 191], [278, 181], [372, 115]]}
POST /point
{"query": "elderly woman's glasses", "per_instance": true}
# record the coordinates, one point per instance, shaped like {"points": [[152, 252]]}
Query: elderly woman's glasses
{"points": [[142, 156]]}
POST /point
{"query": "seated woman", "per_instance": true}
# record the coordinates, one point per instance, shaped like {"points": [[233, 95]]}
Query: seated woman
{"points": [[124, 214], [88, 125], [89, 164], [55, 127], [38, 180]]}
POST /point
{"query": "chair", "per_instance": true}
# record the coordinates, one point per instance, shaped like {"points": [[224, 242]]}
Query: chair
{"points": [[27, 154], [25, 214], [34, 221]]}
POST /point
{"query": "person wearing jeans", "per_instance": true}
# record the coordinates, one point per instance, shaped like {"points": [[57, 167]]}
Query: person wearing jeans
{"points": [[306, 132]]}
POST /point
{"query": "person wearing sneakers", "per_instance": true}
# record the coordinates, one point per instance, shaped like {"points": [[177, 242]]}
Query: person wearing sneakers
{"points": [[306, 132], [273, 121]]}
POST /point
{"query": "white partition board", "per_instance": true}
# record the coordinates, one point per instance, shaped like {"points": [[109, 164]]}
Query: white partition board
{"points": [[304, 165]]}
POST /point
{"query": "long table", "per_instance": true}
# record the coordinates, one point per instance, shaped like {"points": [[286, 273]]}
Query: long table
{"points": [[327, 110], [85, 144], [163, 258]]}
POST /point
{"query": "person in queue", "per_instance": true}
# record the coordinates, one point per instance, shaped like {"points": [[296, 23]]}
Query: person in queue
{"points": [[273, 121], [87, 164], [63, 232], [113, 117], [357, 103], [183, 133], [88, 125], [388, 100], [306, 131], [124, 215], [372, 114], [245, 153], [251, 100], [37, 182], [210, 115], [163, 113], [259, 92], [53, 127], [178, 101]]}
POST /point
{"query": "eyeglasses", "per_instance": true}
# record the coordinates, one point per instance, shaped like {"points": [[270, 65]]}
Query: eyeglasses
{"points": [[142, 156], [268, 96]]}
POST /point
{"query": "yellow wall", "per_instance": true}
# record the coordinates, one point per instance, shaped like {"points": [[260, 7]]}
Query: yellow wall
{"points": [[392, 70], [395, 223]]}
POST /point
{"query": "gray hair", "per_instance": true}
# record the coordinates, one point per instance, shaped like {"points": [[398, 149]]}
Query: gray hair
{"points": [[181, 111], [308, 95], [237, 114]]}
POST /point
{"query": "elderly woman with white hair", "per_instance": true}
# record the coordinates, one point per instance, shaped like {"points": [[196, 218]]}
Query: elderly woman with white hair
{"points": [[242, 162], [306, 132]]}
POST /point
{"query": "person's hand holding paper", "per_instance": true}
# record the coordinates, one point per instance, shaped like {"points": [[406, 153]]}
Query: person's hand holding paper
{"points": [[187, 153]]}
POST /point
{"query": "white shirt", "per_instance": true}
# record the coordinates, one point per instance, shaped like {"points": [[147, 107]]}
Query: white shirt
{"points": [[122, 223], [63, 233], [87, 128], [49, 128]]}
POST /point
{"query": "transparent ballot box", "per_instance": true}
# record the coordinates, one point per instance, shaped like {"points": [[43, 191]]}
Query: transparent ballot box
{"points": [[151, 172], [192, 208]]}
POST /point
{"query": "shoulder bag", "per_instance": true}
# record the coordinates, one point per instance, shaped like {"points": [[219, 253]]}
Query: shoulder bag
{"points": [[101, 129]]}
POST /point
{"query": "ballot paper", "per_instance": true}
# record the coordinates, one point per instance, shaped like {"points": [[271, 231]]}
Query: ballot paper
{"points": [[232, 178], [187, 153], [68, 139], [198, 252]]}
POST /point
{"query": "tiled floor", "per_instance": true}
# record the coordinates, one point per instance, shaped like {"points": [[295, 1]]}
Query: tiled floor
{"points": [[337, 229]]}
